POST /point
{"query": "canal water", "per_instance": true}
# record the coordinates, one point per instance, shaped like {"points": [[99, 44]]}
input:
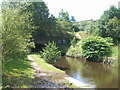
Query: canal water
{"points": [[93, 74]]}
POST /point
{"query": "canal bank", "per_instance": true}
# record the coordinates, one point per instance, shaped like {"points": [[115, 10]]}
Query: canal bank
{"points": [[54, 78]]}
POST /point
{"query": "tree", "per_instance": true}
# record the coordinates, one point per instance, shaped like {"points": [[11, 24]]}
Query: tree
{"points": [[50, 53], [46, 23], [113, 29], [16, 31], [108, 24], [109, 29], [40, 18], [65, 22], [63, 16], [111, 13]]}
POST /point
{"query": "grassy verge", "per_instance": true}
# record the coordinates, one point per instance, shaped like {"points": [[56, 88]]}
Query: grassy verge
{"points": [[43, 65], [115, 54], [48, 67], [115, 51], [18, 74]]}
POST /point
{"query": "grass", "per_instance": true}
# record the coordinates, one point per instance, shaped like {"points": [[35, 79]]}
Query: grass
{"points": [[115, 54], [115, 51], [15, 68], [43, 65], [18, 74], [47, 67]]}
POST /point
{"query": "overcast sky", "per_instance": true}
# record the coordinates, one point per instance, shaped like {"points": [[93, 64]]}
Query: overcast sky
{"points": [[81, 9]]}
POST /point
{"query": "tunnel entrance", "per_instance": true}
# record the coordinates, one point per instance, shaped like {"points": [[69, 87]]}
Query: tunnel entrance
{"points": [[38, 47]]}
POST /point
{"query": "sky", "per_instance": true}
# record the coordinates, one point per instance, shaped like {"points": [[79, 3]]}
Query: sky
{"points": [[81, 9]]}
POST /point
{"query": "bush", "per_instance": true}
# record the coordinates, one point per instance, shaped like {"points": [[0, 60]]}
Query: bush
{"points": [[109, 40], [73, 41], [95, 48], [50, 53], [75, 50]]}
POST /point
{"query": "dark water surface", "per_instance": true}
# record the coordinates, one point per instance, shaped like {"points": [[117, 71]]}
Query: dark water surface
{"points": [[91, 73]]}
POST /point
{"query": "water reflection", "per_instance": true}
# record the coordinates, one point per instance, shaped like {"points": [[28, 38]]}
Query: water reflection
{"points": [[94, 74]]}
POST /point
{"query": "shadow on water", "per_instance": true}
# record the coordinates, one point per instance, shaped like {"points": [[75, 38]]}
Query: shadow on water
{"points": [[91, 73]]}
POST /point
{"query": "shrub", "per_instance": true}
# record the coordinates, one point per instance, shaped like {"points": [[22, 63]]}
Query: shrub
{"points": [[50, 53], [95, 48], [75, 51], [73, 41], [109, 40]]}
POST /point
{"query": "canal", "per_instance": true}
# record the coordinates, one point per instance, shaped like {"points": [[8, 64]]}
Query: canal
{"points": [[93, 74]]}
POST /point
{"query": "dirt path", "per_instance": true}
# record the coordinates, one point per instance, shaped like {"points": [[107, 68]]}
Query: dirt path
{"points": [[48, 79], [44, 79]]}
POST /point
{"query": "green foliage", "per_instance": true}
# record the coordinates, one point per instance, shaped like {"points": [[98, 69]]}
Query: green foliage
{"points": [[66, 22], [110, 29], [109, 40], [95, 48], [48, 27], [111, 13], [40, 18], [50, 53], [115, 50], [83, 34], [109, 24], [76, 28], [87, 25], [73, 41], [63, 47], [81, 29], [75, 51], [63, 16], [16, 30], [65, 26]]}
